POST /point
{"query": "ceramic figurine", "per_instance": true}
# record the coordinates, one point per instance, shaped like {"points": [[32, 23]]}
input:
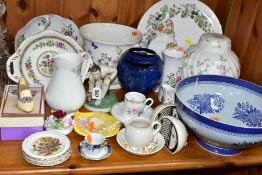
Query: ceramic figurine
{"points": [[139, 70], [99, 98], [25, 99], [65, 90]]}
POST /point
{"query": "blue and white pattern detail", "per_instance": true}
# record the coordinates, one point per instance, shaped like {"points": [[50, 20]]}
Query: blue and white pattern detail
{"points": [[248, 114], [206, 103]]}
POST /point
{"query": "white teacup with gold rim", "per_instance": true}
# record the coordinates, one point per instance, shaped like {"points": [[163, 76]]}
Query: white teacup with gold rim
{"points": [[135, 104]]}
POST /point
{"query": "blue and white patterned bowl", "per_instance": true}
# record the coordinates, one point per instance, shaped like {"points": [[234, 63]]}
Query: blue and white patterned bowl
{"points": [[222, 111]]}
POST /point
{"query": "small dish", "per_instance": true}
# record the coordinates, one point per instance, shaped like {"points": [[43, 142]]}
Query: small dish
{"points": [[48, 162], [157, 144], [117, 112], [38, 145], [104, 153], [104, 124]]}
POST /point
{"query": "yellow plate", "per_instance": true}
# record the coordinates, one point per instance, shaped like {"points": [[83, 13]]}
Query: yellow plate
{"points": [[110, 125]]}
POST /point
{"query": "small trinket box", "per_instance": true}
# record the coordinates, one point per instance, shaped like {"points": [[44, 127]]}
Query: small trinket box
{"points": [[16, 124]]}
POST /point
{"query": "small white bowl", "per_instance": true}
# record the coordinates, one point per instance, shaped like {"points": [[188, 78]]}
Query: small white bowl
{"points": [[105, 42]]}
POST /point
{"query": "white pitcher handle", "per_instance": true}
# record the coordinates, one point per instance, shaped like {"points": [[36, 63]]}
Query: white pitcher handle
{"points": [[156, 130], [150, 104], [13, 64], [87, 63]]}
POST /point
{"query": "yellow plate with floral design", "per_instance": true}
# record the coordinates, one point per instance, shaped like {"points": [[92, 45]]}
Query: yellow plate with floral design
{"points": [[87, 122]]}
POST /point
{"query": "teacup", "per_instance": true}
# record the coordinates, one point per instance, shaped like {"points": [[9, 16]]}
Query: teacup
{"points": [[140, 132], [94, 146], [135, 104]]}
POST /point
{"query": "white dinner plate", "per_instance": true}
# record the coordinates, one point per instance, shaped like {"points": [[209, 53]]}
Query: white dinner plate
{"points": [[191, 18]]}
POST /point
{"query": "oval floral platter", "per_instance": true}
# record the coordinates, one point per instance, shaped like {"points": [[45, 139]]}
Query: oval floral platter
{"points": [[191, 18], [48, 22], [34, 57]]}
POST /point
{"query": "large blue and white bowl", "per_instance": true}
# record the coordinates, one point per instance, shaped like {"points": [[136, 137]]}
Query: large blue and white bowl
{"points": [[224, 113]]}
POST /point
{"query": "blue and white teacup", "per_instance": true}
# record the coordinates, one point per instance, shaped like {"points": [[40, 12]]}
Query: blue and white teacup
{"points": [[95, 147]]}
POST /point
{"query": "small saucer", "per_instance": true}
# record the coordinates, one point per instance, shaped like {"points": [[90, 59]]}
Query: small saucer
{"points": [[117, 112], [157, 144], [105, 152]]}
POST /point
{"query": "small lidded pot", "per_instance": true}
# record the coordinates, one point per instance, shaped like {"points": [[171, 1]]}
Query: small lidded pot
{"points": [[212, 55]]}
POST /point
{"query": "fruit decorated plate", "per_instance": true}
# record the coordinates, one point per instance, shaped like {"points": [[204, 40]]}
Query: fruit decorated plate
{"points": [[46, 145], [87, 122], [190, 18]]}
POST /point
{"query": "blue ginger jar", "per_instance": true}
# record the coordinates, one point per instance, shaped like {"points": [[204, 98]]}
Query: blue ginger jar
{"points": [[139, 70]]}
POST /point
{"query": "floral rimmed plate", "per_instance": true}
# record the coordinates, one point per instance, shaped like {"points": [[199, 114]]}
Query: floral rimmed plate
{"points": [[46, 145], [49, 162], [191, 18], [48, 22], [34, 57], [87, 122], [157, 144]]}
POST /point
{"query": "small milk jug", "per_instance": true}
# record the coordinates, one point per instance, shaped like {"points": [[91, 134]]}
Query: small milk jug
{"points": [[172, 73], [65, 90]]}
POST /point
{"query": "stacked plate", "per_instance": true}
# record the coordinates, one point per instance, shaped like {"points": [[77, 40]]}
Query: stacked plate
{"points": [[46, 148]]}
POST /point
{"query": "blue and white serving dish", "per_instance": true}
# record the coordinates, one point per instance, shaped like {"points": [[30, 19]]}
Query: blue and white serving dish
{"points": [[224, 113]]}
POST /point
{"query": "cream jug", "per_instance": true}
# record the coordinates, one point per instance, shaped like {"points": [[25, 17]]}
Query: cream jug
{"points": [[172, 73], [140, 132], [65, 90]]}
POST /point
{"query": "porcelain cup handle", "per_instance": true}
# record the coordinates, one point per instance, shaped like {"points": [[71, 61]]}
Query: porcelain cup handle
{"points": [[87, 63], [156, 130], [148, 105]]}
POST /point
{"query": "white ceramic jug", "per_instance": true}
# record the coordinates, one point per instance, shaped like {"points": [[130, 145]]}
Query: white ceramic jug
{"points": [[65, 90], [172, 73]]}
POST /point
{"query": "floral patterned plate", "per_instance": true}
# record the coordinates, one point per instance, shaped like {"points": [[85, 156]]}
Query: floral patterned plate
{"points": [[157, 144], [45, 145], [191, 18], [33, 58], [87, 122], [48, 22]]}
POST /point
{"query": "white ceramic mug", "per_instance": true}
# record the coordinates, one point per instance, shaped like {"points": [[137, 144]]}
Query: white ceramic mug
{"points": [[94, 147], [135, 104], [139, 132]]}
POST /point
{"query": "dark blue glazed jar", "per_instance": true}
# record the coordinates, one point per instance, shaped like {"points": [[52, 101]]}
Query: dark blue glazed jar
{"points": [[140, 70]]}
